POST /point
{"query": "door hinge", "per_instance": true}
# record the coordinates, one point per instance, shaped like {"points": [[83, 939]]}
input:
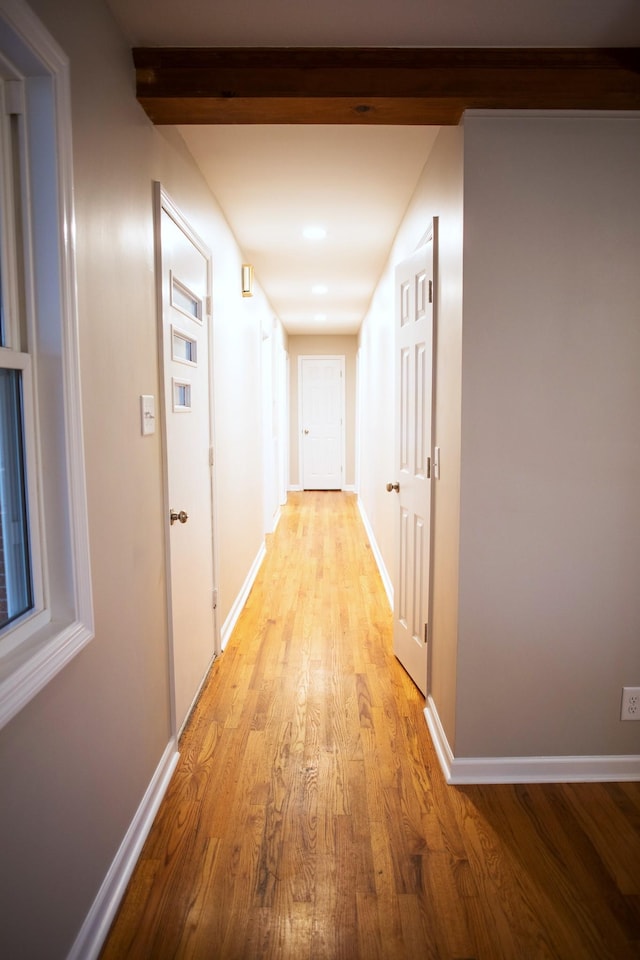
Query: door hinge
{"points": [[214, 598], [428, 468], [208, 305], [210, 456], [430, 291], [426, 633]]}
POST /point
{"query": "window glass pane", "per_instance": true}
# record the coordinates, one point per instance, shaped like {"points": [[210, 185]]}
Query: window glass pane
{"points": [[184, 348], [184, 300], [16, 596], [181, 395]]}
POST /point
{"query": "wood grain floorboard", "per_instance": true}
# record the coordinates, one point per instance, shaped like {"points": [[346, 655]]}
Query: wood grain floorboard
{"points": [[308, 818]]}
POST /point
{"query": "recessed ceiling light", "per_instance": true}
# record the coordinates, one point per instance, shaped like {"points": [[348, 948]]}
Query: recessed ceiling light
{"points": [[314, 233], [320, 317], [319, 288]]}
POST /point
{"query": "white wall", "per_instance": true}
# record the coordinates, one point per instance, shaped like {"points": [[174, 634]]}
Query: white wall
{"points": [[550, 524], [275, 410], [536, 518], [75, 763], [551, 294]]}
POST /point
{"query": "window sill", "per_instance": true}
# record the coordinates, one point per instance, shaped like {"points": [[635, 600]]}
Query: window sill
{"points": [[26, 669]]}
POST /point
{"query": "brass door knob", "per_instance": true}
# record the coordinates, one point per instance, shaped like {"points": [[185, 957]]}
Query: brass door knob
{"points": [[393, 487], [183, 516]]}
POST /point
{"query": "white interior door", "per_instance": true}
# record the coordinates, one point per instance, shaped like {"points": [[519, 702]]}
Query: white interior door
{"points": [[412, 483], [185, 277], [322, 422]]}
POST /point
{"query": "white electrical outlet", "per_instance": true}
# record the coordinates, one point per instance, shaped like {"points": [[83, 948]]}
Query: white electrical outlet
{"points": [[630, 703]]}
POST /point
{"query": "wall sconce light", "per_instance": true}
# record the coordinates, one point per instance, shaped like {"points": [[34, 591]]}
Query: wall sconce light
{"points": [[247, 280]]}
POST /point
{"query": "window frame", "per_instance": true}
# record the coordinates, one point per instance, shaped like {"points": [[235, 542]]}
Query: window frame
{"points": [[39, 282], [24, 625]]}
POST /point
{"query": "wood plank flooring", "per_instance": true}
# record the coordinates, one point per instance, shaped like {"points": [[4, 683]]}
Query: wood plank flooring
{"points": [[308, 818]]}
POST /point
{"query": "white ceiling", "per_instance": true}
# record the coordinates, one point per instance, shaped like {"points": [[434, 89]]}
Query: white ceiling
{"points": [[380, 23], [271, 181]]}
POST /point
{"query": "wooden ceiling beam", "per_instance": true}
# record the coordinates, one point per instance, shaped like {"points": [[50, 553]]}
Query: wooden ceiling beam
{"points": [[377, 86]]}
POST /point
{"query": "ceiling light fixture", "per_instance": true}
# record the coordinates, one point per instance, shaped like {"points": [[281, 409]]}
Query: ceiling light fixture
{"points": [[320, 317], [314, 233], [319, 289]]}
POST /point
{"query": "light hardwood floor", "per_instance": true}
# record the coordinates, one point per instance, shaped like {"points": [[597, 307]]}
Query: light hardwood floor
{"points": [[308, 818]]}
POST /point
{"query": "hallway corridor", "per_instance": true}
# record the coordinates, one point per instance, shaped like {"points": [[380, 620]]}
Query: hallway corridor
{"points": [[308, 818]]}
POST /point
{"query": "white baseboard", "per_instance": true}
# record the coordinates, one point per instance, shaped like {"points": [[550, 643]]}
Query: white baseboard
{"points": [[469, 770], [384, 573], [241, 599], [96, 926], [297, 488]]}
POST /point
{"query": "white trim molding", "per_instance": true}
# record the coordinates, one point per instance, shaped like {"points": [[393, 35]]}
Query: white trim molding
{"points": [[473, 770], [241, 599], [387, 583], [61, 623], [96, 926]]}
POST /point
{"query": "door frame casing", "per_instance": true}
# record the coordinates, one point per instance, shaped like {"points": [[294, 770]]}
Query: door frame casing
{"points": [[431, 236], [162, 202], [343, 454]]}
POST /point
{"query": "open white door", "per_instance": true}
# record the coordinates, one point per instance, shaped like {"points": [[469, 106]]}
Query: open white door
{"points": [[185, 271], [412, 483], [322, 401]]}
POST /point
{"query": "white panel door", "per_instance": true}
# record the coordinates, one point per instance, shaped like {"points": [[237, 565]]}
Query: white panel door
{"points": [[322, 422], [185, 273], [412, 484]]}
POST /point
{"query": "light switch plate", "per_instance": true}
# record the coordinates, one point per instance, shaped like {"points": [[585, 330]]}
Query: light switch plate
{"points": [[147, 414]]}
